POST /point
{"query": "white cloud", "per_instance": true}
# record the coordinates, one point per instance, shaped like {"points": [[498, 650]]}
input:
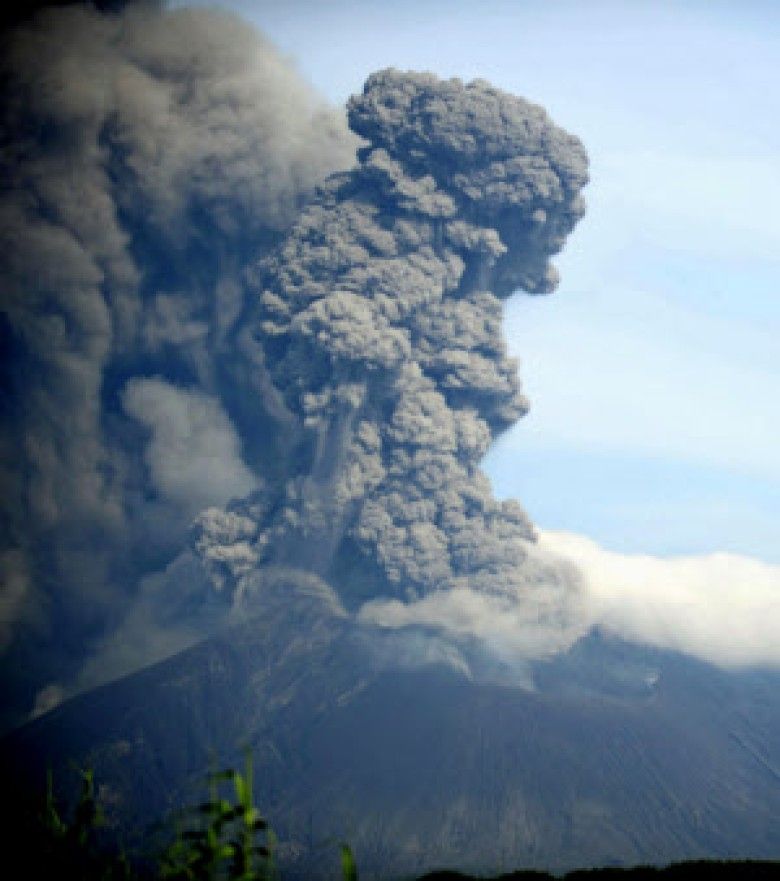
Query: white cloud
{"points": [[535, 616], [193, 455], [505, 623], [722, 608]]}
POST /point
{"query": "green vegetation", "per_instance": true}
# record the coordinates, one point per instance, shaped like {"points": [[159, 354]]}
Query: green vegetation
{"points": [[72, 848], [221, 839], [226, 839], [229, 840]]}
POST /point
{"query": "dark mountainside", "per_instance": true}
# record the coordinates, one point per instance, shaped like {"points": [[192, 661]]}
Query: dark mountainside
{"points": [[622, 756], [246, 404]]}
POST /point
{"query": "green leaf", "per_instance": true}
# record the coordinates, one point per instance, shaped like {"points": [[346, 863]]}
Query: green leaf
{"points": [[242, 791], [348, 864]]}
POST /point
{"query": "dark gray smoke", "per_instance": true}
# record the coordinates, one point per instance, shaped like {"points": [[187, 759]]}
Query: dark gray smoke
{"points": [[184, 325], [146, 157], [374, 335]]}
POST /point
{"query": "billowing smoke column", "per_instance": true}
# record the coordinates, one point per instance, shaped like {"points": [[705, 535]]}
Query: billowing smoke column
{"points": [[146, 157], [184, 324], [374, 338]]}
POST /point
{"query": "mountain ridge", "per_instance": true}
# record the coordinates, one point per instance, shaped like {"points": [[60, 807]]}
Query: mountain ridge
{"points": [[419, 767]]}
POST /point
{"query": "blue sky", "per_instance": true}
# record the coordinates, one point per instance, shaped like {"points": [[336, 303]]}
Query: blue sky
{"points": [[654, 370]]}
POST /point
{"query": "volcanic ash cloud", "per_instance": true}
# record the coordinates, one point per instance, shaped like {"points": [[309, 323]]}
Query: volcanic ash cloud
{"points": [[373, 339], [147, 156], [187, 320]]}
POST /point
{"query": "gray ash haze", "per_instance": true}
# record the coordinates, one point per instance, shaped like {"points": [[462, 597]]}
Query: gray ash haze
{"points": [[147, 158], [212, 372]]}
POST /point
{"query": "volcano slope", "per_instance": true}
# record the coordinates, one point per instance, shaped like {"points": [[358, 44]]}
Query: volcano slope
{"points": [[620, 756]]}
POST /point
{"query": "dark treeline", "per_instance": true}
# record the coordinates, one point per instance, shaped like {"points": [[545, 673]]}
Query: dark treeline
{"points": [[699, 870]]}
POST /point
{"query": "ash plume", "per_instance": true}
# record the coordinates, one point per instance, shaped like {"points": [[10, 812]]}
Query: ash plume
{"points": [[147, 157], [374, 335], [233, 366]]}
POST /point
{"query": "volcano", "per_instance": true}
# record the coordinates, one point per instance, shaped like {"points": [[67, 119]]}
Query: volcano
{"points": [[256, 361], [610, 754]]}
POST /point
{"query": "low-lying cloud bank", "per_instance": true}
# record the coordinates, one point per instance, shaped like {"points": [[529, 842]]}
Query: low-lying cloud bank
{"points": [[721, 608], [528, 622]]}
